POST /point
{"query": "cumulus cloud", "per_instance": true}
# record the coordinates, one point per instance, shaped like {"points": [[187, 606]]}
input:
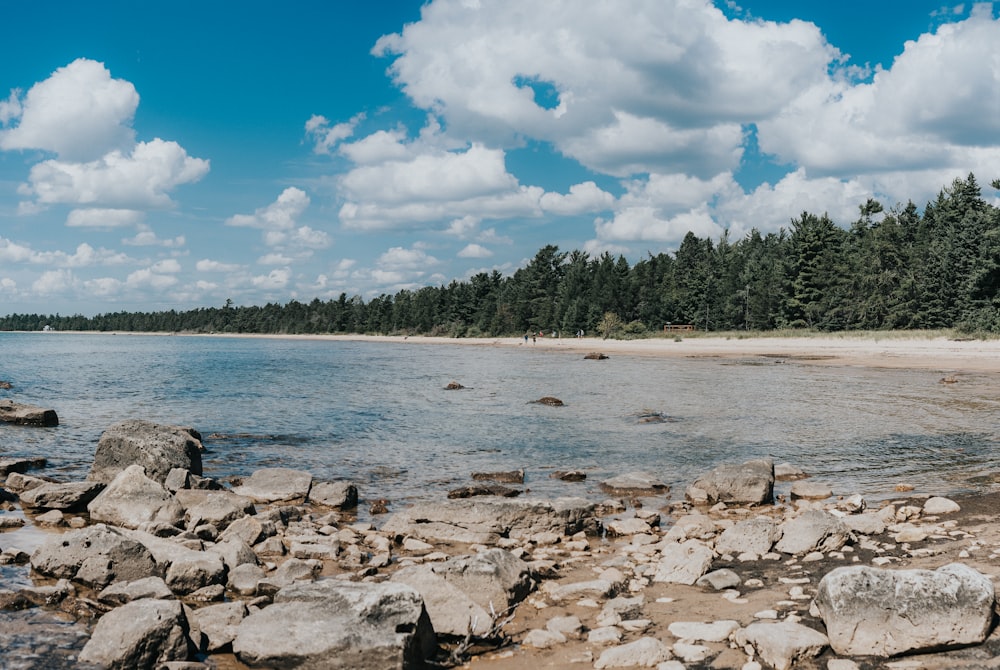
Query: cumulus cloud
{"points": [[208, 265], [582, 198], [98, 217], [679, 72], [275, 279], [474, 251], [79, 113], [84, 117], [326, 136], [279, 215], [145, 237]]}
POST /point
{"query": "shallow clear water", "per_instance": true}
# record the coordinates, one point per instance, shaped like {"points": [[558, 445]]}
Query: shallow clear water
{"points": [[377, 413]]}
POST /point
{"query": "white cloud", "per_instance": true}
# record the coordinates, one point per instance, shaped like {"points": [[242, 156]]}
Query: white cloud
{"points": [[166, 266], [147, 238], [275, 259], [139, 179], [79, 113], [208, 265], [679, 73], [275, 279], [398, 258], [325, 136], [10, 108], [648, 224], [7, 285], [149, 278], [474, 251], [582, 198], [103, 286], [54, 282], [103, 218], [279, 215]]}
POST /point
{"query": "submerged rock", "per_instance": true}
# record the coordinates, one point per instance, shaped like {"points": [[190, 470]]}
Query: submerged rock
{"points": [[504, 477], [484, 490], [750, 483], [634, 484], [27, 415], [549, 400]]}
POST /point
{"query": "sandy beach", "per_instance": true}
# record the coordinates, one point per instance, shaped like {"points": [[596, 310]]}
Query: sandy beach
{"points": [[895, 350]]}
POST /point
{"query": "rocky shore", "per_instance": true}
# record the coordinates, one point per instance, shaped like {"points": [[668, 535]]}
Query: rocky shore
{"points": [[153, 565]]}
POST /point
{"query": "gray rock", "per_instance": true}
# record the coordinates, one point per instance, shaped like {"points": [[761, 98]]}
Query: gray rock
{"points": [[246, 579], [269, 485], [469, 590], [132, 499], [696, 631], [120, 593], [18, 483], [683, 563], [341, 495], [786, 472], [219, 508], [140, 634], [644, 652], [874, 612], [192, 573], [750, 483], [234, 552], [218, 623], [938, 505], [334, 625], [249, 529], [96, 556], [719, 580], [21, 465], [813, 530], [486, 520], [809, 490], [753, 536], [20, 414], [68, 496], [157, 448], [868, 523], [782, 645], [634, 484]]}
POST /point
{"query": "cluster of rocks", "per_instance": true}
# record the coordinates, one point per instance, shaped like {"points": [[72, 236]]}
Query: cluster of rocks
{"points": [[173, 567]]}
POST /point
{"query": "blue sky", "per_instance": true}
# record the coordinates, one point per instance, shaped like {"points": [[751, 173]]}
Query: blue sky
{"points": [[157, 156]]}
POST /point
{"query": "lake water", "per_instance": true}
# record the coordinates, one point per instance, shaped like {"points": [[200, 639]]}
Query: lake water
{"points": [[378, 414]]}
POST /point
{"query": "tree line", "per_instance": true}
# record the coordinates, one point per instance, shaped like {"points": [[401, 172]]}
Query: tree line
{"points": [[893, 268]]}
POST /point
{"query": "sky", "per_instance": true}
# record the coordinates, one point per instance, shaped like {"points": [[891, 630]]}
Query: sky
{"points": [[159, 156]]}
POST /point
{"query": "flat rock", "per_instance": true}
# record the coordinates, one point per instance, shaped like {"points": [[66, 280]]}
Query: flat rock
{"points": [[269, 485], [21, 465], [634, 484], [644, 652], [630, 526], [875, 612], [27, 415], [333, 625], [782, 645], [219, 508], [218, 623], [503, 477], [123, 592], [786, 472], [484, 490], [810, 490], [486, 520], [569, 475], [696, 631], [64, 496]]}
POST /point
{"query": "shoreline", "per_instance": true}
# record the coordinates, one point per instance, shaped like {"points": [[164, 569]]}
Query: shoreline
{"points": [[897, 350]]}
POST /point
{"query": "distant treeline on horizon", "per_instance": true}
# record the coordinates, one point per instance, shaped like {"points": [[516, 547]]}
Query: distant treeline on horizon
{"points": [[891, 269]]}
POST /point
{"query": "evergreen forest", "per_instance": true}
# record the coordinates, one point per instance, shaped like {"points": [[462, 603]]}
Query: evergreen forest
{"points": [[895, 268]]}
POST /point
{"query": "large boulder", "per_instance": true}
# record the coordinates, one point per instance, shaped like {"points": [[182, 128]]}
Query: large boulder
{"points": [[750, 483], [683, 563], [875, 612], [486, 520], [157, 448], [218, 624], [334, 625], [141, 634], [96, 556], [219, 508], [27, 415], [270, 485], [813, 530], [132, 499], [469, 591]]}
